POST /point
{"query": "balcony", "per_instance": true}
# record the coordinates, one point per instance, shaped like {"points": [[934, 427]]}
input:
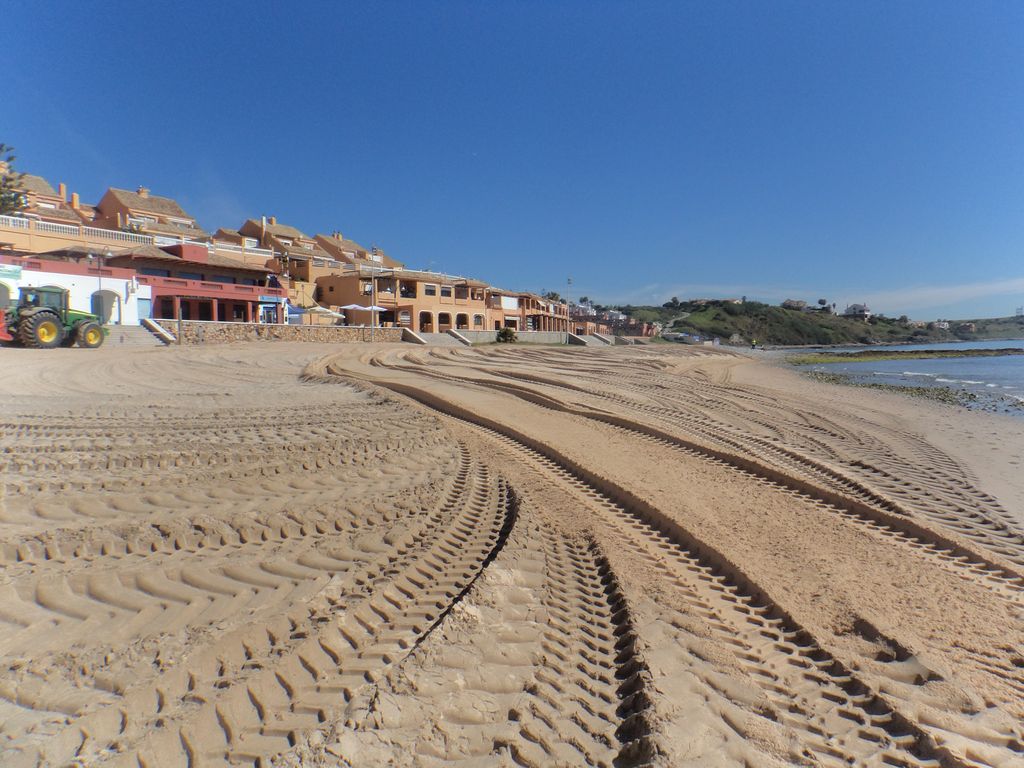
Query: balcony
{"points": [[177, 286], [77, 233]]}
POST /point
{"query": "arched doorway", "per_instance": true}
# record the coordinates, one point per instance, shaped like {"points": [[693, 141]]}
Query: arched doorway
{"points": [[103, 304], [462, 322], [444, 321], [426, 322]]}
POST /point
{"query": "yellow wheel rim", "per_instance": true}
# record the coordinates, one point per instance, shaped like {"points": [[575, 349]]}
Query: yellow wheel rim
{"points": [[92, 336], [47, 331]]}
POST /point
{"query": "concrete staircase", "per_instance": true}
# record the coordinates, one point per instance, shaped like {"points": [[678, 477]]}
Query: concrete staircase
{"points": [[593, 341], [130, 336], [441, 340]]}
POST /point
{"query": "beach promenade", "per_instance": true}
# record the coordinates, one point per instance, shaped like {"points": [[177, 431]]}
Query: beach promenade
{"points": [[290, 554]]}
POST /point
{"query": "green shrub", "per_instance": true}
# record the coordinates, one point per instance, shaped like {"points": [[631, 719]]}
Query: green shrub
{"points": [[507, 336]]}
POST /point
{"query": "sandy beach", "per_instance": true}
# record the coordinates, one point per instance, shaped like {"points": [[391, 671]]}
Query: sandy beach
{"points": [[282, 554]]}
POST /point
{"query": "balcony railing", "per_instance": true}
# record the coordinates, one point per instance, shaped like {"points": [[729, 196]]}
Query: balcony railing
{"points": [[83, 232], [182, 285], [221, 246], [14, 222]]}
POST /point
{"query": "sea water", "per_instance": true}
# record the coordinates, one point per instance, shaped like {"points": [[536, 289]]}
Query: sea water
{"points": [[996, 382]]}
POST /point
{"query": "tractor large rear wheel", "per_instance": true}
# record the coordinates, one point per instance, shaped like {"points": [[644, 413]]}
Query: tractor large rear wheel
{"points": [[89, 335], [42, 330]]}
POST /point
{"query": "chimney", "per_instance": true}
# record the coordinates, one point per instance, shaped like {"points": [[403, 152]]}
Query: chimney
{"points": [[74, 200], [273, 221], [62, 190], [142, 192]]}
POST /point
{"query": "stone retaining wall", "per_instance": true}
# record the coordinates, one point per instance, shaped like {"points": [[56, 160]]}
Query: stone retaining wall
{"points": [[523, 337], [202, 332]]}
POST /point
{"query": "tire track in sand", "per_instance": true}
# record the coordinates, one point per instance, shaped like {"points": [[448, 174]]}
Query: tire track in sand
{"points": [[251, 693], [560, 685], [839, 719], [856, 505]]}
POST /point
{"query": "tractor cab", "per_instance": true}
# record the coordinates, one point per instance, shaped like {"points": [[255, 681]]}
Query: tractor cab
{"points": [[50, 297]]}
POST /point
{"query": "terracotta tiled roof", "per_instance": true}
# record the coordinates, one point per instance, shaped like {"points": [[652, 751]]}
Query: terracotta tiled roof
{"points": [[176, 230], [62, 214], [213, 259], [278, 230], [332, 243], [36, 184], [163, 206], [216, 260]]}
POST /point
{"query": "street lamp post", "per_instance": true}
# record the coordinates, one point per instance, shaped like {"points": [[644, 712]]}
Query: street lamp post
{"points": [[373, 300], [568, 312]]}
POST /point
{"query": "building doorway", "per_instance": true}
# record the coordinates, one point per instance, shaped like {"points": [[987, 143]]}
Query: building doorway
{"points": [[426, 322], [462, 322], [102, 305], [444, 321]]}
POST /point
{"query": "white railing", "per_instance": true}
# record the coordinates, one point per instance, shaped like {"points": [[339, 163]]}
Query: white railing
{"points": [[218, 245], [91, 233], [114, 234], [14, 222], [60, 229]]}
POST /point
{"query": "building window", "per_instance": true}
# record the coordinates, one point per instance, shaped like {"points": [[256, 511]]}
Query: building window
{"points": [[221, 279], [446, 291], [478, 321], [189, 275], [430, 290], [155, 272], [330, 289], [250, 242]]}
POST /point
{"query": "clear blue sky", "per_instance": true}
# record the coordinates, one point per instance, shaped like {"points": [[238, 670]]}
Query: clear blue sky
{"points": [[859, 151]]}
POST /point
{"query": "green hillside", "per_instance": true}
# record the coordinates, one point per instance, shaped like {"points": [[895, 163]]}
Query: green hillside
{"points": [[775, 325]]}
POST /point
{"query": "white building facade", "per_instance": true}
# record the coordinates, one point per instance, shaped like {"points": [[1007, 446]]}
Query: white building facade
{"points": [[114, 294]]}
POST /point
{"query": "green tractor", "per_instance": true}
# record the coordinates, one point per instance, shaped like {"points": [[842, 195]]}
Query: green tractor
{"points": [[43, 320]]}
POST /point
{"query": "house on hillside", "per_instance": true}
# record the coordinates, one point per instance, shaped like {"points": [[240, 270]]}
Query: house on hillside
{"points": [[147, 214], [796, 304], [857, 312]]}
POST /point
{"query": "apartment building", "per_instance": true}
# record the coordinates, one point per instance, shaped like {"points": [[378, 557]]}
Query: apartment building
{"points": [[524, 312], [427, 302], [186, 280], [41, 202], [350, 252], [144, 213]]}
